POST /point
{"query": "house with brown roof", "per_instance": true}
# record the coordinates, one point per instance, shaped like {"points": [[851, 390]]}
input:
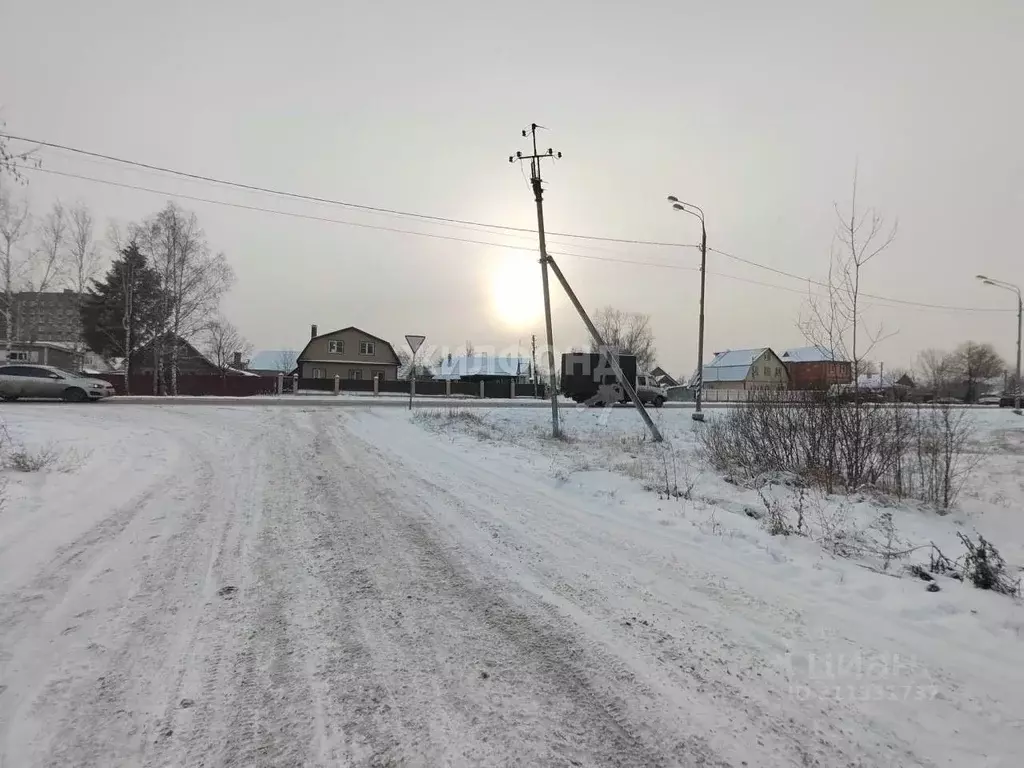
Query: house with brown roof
{"points": [[349, 353], [816, 368]]}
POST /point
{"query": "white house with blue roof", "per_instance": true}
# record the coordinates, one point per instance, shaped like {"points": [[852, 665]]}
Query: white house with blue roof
{"points": [[745, 369], [484, 367]]}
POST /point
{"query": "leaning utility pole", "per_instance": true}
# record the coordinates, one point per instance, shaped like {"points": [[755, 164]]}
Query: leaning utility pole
{"points": [[545, 262], [538, 195]]}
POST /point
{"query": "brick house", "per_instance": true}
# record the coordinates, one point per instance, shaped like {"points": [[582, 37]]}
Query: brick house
{"points": [[815, 368]]}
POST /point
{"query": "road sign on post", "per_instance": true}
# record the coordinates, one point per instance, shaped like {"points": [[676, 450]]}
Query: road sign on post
{"points": [[414, 342]]}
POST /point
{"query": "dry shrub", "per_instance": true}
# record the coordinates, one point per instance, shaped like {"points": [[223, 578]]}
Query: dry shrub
{"points": [[919, 452]]}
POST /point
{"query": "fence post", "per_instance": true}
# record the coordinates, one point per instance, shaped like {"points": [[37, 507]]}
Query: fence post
{"points": [[481, 387], [512, 389], [295, 383], [376, 385], [337, 384], [447, 387], [280, 383]]}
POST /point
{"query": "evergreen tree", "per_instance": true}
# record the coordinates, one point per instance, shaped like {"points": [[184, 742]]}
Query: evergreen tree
{"points": [[121, 312]]}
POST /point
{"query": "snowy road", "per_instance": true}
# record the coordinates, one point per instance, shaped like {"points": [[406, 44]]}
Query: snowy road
{"points": [[315, 587]]}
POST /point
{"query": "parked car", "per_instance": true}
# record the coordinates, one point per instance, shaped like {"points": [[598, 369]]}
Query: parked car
{"points": [[45, 381], [990, 400]]}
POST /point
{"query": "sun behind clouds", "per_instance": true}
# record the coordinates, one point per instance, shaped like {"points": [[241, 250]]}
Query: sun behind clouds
{"points": [[515, 288]]}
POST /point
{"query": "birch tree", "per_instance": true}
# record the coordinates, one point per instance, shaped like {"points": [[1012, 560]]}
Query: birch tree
{"points": [[193, 279], [15, 224], [83, 258]]}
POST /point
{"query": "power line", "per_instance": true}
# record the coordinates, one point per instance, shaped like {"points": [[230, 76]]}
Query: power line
{"points": [[342, 203], [441, 220], [396, 230]]}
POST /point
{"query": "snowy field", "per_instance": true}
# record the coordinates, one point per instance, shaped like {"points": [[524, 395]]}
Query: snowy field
{"points": [[313, 586]]}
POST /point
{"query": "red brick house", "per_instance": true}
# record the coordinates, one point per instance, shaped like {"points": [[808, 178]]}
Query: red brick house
{"points": [[815, 368]]}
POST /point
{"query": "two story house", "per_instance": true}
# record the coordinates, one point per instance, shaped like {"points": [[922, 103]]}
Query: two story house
{"points": [[745, 369], [349, 353]]}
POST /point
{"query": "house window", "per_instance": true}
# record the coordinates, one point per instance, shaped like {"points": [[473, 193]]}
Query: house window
{"points": [[336, 347], [378, 375], [18, 356], [778, 371], [352, 374], [318, 373], [367, 348], [755, 370]]}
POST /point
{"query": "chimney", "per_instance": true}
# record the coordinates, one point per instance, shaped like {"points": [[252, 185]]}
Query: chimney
{"points": [[312, 331], [238, 360]]}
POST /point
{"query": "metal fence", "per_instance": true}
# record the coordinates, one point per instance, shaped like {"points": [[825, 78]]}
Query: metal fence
{"points": [[245, 386], [194, 385]]}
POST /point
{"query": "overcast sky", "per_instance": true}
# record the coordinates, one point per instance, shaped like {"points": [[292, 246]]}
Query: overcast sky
{"points": [[756, 111]]}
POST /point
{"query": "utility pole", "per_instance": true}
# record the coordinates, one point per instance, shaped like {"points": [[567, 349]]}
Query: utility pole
{"points": [[538, 196]]}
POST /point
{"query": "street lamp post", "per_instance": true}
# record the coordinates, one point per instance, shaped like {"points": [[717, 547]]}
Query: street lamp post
{"points": [[1020, 326], [693, 210]]}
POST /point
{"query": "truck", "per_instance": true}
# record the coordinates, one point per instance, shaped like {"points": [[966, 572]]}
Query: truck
{"points": [[588, 378]]}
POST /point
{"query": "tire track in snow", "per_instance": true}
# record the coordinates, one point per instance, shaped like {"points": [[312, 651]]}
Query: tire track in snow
{"points": [[579, 689]]}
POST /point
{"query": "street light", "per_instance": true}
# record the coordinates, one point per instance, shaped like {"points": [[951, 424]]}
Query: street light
{"points": [[1020, 325], [694, 210]]}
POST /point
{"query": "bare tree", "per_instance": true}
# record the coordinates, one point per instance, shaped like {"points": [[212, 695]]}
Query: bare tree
{"points": [[469, 348], [627, 333], [15, 222], [972, 363], [83, 258], [835, 320], [193, 278], [286, 360], [83, 252], [49, 263], [12, 162], [935, 370], [223, 341]]}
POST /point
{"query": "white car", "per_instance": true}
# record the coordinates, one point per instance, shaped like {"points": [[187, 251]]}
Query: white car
{"points": [[45, 381], [650, 392]]}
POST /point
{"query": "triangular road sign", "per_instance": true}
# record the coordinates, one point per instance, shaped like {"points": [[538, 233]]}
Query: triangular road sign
{"points": [[414, 342]]}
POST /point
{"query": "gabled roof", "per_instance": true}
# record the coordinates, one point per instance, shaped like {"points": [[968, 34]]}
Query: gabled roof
{"points": [[387, 343], [483, 365], [284, 360], [813, 354], [731, 365]]}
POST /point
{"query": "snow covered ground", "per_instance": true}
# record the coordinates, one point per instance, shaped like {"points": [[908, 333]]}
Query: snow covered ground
{"points": [[239, 586]]}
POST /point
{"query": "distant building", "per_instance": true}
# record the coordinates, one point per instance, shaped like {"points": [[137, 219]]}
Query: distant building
{"points": [[745, 369], [44, 316], [815, 368], [484, 367]]}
